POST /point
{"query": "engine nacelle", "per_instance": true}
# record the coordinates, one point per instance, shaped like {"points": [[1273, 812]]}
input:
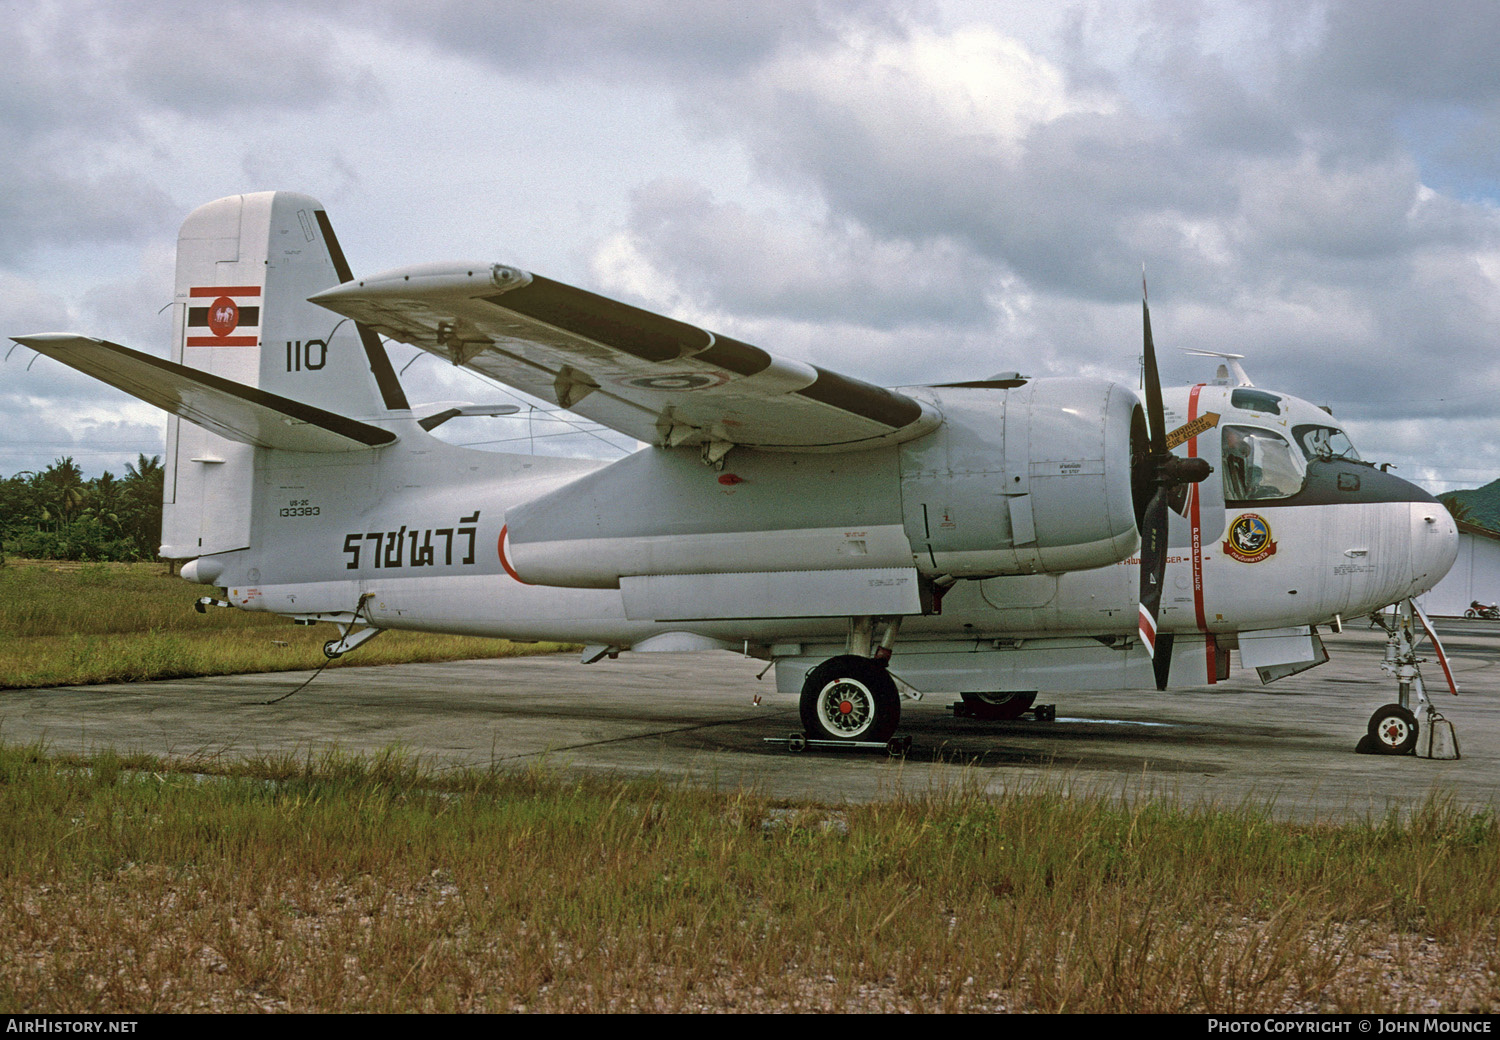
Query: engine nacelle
{"points": [[1015, 481], [1035, 479]]}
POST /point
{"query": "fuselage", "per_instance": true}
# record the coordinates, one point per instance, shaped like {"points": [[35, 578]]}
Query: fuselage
{"points": [[1290, 529]]}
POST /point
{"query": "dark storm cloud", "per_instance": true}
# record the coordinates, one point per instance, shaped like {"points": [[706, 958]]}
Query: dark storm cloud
{"points": [[83, 82], [1440, 52], [190, 58], [651, 39]]}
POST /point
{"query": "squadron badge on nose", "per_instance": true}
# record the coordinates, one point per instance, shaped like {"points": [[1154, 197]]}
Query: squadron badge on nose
{"points": [[1249, 539]]}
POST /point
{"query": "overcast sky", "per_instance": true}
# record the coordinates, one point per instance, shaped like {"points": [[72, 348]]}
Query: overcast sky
{"points": [[902, 191]]}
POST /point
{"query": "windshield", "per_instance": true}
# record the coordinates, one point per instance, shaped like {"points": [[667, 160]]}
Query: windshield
{"points": [[1259, 465], [1324, 443]]}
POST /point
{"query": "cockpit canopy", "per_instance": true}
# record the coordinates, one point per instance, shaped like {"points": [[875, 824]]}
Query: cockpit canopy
{"points": [[1324, 442], [1262, 465]]}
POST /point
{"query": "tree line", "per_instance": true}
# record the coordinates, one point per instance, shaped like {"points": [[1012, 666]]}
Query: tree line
{"points": [[57, 515]]}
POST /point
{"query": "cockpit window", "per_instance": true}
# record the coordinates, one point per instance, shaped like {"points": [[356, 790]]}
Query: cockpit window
{"points": [[1259, 465], [1252, 400], [1324, 443]]}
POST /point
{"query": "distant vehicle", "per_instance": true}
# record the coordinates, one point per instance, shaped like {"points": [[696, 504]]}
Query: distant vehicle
{"points": [[1491, 611], [992, 538]]}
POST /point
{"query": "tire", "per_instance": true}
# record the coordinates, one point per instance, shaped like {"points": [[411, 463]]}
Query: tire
{"points": [[999, 707], [850, 698], [1470, 615], [1394, 730]]}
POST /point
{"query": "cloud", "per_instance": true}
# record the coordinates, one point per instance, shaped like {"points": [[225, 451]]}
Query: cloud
{"points": [[756, 265], [644, 40], [1403, 54], [899, 190], [48, 409], [89, 86]]}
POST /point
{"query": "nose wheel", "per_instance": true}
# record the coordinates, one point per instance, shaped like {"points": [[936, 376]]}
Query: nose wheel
{"points": [[1393, 730]]}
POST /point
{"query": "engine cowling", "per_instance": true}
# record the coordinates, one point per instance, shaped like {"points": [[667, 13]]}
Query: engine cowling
{"points": [[1015, 481], [1022, 481]]}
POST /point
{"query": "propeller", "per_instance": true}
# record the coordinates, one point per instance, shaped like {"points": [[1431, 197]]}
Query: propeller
{"points": [[1157, 473]]}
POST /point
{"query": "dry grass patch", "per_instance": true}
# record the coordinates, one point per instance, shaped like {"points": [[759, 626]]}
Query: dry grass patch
{"points": [[339, 883], [70, 623]]}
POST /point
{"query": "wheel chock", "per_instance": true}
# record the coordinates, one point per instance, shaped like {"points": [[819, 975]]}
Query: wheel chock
{"points": [[1436, 738], [895, 747], [1039, 712]]}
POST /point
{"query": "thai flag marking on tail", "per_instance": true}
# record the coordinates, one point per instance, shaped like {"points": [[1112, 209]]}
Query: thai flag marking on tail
{"points": [[223, 316]]}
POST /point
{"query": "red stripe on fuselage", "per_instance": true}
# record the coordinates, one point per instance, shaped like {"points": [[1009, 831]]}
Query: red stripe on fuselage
{"points": [[504, 562], [1195, 519]]}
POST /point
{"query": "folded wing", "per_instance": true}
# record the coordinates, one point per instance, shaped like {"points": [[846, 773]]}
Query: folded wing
{"points": [[651, 377], [240, 413]]}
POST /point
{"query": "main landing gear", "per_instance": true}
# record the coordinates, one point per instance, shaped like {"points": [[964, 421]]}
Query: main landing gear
{"points": [[853, 697], [1404, 728]]}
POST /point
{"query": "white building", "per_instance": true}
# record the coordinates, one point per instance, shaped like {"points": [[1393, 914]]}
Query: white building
{"points": [[1475, 574]]}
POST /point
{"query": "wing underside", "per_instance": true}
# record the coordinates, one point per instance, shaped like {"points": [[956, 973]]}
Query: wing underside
{"points": [[650, 377]]}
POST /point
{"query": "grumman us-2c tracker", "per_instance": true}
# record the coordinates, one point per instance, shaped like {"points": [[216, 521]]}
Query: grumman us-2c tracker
{"points": [[991, 538]]}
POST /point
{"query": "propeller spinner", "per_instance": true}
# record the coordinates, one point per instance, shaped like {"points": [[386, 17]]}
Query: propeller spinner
{"points": [[1157, 472]]}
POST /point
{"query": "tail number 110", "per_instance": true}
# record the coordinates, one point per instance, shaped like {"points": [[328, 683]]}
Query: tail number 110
{"points": [[311, 355]]}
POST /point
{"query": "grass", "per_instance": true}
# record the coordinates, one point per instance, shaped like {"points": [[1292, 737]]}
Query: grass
{"points": [[132, 621], [334, 883]]}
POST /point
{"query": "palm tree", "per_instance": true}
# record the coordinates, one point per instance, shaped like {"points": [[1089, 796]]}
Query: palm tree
{"points": [[140, 502], [63, 491], [144, 469], [1460, 509]]}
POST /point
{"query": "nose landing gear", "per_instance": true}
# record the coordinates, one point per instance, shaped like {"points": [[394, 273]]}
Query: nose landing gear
{"points": [[1397, 729]]}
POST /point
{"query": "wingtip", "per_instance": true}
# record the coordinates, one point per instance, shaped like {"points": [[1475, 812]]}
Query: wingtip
{"points": [[40, 341], [451, 277]]}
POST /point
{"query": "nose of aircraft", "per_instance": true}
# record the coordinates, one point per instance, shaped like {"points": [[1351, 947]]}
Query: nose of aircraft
{"points": [[1410, 536], [1433, 545]]}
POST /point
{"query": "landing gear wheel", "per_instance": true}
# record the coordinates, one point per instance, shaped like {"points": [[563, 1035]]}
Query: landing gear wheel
{"points": [[998, 707], [1393, 730], [850, 698], [331, 650]]}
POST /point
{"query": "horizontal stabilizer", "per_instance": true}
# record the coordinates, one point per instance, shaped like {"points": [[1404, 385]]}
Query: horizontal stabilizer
{"points": [[231, 410]]}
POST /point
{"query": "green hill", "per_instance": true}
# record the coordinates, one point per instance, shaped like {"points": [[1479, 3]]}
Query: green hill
{"points": [[1482, 505]]}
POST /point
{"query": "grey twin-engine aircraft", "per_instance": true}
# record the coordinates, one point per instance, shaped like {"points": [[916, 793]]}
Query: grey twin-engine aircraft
{"points": [[992, 538]]}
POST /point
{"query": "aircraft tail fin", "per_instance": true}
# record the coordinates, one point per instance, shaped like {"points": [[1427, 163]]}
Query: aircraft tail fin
{"points": [[246, 265]]}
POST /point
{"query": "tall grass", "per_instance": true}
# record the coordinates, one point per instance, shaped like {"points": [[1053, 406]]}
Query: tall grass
{"points": [[336, 883], [70, 623]]}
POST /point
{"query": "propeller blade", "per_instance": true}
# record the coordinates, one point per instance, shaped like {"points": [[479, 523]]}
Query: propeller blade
{"points": [[1155, 413], [1162, 662], [1153, 573], [1167, 471], [1153, 566]]}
